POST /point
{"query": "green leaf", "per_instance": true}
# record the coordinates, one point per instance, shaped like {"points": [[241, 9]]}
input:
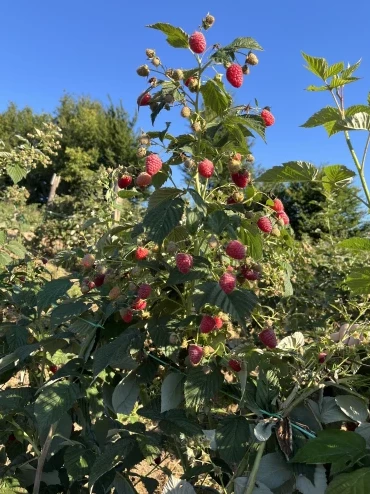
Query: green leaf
{"points": [[274, 471], [172, 391], [217, 222], [354, 407], [364, 431], [239, 303], [16, 172], [113, 454], [122, 485], [162, 195], [255, 123], [335, 176], [356, 482], [358, 121], [243, 43], [178, 486], [232, 438], [200, 387], [14, 399], [17, 249], [118, 352], [292, 342], [329, 411], [339, 81], [358, 280], [325, 115], [127, 194], [355, 243], [125, 395], [5, 258], [16, 336], [215, 96], [317, 66], [251, 237], [340, 448], [352, 110], [292, 171], [176, 422], [78, 461], [66, 311], [51, 292], [11, 485], [334, 70], [313, 88], [54, 401], [199, 202], [349, 70], [176, 37], [161, 220]]}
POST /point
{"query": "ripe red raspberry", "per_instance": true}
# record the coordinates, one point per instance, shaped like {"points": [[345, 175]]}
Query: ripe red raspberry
{"points": [[235, 250], [241, 179], [184, 262], [207, 324], [227, 282], [158, 460], [278, 206], [153, 164], [268, 338], [144, 291], [141, 253], [267, 117], [99, 280], [143, 179], [126, 315], [264, 224], [235, 365], [53, 368], [249, 274], [124, 181], [284, 217], [218, 322], [12, 438], [234, 74], [230, 200], [195, 353], [322, 357], [139, 304], [144, 99], [197, 42], [206, 168]]}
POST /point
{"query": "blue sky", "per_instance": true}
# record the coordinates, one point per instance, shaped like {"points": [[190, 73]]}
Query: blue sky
{"points": [[94, 47]]}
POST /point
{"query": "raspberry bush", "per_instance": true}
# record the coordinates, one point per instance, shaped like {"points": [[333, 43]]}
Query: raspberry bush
{"points": [[168, 338]]}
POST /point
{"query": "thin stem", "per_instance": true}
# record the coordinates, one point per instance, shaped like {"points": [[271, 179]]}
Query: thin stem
{"points": [[41, 461], [239, 471], [256, 465], [358, 166], [365, 152]]}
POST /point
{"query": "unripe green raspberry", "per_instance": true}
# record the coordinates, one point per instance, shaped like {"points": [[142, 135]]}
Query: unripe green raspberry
{"points": [[218, 78], [212, 242], [275, 231], [238, 196], [169, 73], [141, 152], [150, 53], [249, 158], [196, 127], [192, 84], [156, 62], [208, 21], [189, 163], [171, 247], [234, 166], [173, 339], [186, 112], [143, 70], [169, 98], [144, 140], [251, 59], [177, 75]]}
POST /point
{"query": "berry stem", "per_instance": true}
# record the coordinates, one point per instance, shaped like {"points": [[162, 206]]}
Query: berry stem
{"points": [[42, 458], [256, 465]]}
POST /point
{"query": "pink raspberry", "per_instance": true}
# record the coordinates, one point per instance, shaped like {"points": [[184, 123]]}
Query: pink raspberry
{"points": [[322, 357], [235, 250], [141, 253], [197, 42], [153, 164], [284, 217], [207, 324], [241, 179], [234, 74], [264, 224], [278, 206], [184, 262], [206, 168], [143, 179], [195, 353], [268, 338], [124, 181], [144, 99], [218, 322], [235, 365], [139, 304], [227, 282], [267, 117], [126, 315], [144, 291]]}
